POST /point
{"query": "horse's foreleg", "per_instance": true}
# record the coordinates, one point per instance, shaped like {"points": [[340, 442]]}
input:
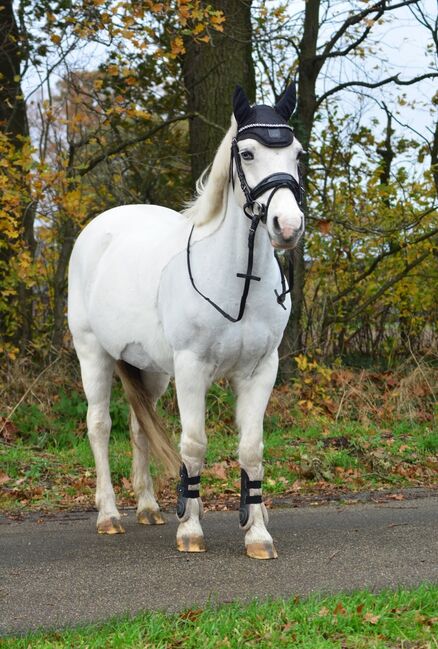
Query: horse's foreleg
{"points": [[252, 398], [192, 380], [148, 511], [97, 371]]}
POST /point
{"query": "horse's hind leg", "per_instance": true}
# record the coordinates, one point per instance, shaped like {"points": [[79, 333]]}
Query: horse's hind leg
{"points": [[148, 511], [97, 370], [252, 398], [193, 379]]}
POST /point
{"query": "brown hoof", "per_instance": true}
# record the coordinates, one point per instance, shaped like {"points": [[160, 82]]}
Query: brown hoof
{"points": [[261, 551], [110, 526], [191, 544], [150, 517]]}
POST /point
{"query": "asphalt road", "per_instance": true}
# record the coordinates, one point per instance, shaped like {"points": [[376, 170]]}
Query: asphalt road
{"points": [[59, 572]]}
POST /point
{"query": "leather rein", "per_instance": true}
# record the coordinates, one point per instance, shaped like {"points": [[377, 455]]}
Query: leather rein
{"points": [[256, 212]]}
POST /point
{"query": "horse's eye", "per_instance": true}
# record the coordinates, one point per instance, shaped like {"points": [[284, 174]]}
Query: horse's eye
{"points": [[247, 155]]}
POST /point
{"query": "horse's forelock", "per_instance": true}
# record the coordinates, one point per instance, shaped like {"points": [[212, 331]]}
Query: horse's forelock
{"points": [[212, 184]]}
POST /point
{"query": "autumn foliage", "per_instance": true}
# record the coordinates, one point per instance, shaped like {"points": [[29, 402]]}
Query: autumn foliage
{"points": [[106, 123]]}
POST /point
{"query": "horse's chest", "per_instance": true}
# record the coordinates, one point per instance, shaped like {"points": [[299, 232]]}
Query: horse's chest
{"points": [[190, 322], [195, 325]]}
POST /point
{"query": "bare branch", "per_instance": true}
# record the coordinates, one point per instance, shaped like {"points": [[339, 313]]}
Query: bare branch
{"points": [[394, 250], [382, 289], [121, 146], [379, 8], [354, 44], [365, 84]]}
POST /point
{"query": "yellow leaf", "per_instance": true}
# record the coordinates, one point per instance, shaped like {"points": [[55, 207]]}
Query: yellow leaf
{"points": [[113, 69], [177, 46], [301, 362]]}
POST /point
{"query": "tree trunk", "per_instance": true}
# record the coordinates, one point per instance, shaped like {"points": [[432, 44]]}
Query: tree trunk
{"points": [[13, 117], [211, 72], [13, 122], [68, 233], [308, 70]]}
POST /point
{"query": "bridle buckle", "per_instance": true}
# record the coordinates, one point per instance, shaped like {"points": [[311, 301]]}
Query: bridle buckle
{"points": [[255, 209]]}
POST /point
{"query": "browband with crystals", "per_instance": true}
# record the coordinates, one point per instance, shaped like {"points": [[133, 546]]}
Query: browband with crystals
{"points": [[259, 125]]}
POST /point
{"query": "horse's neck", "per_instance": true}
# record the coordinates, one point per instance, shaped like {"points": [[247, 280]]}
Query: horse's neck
{"points": [[231, 238]]}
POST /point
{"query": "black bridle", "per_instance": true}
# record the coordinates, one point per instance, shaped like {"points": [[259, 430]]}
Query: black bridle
{"points": [[256, 212]]}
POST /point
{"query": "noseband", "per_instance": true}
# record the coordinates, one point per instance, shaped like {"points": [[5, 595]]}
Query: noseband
{"points": [[257, 212], [274, 181]]}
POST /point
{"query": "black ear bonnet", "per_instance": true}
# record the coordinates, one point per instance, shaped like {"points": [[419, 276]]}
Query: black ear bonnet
{"points": [[263, 123]]}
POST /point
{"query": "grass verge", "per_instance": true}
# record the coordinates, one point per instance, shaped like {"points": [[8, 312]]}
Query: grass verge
{"points": [[405, 619], [326, 432]]}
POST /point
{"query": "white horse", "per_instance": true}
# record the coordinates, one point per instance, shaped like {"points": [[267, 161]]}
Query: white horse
{"points": [[137, 300]]}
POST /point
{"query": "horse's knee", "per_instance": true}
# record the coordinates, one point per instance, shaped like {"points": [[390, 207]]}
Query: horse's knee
{"points": [[251, 454], [98, 423], [193, 445]]}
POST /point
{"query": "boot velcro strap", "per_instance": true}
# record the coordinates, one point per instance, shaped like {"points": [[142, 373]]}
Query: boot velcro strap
{"points": [[191, 480], [188, 493], [254, 484], [253, 500]]}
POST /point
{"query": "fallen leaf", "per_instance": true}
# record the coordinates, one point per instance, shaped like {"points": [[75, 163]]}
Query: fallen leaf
{"points": [[126, 484], [218, 470], [8, 430], [288, 626], [4, 477], [339, 609], [372, 619], [191, 614]]}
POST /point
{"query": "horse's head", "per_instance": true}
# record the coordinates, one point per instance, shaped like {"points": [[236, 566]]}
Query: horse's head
{"points": [[265, 156]]}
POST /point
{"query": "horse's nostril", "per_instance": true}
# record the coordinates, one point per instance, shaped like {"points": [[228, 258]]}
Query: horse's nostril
{"points": [[276, 225]]}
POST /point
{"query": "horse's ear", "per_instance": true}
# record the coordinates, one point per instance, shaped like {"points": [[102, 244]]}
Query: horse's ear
{"points": [[241, 107], [286, 105]]}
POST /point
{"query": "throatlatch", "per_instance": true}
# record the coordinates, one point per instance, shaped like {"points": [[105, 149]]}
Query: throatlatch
{"points": [[183, 491], [246, 499]]}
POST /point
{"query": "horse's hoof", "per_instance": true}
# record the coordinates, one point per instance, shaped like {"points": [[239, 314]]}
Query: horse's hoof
{"points": [[150, 517], [191, 544], [261, 550], [110, 526]]}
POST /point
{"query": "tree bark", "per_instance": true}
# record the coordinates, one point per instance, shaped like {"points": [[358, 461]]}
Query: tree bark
{"points": [[68, 234], [211, 72], [308, 70], [13, 118], [13, 122]]}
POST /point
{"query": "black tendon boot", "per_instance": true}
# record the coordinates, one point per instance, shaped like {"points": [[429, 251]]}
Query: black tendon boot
{"points": [[183, 491]]}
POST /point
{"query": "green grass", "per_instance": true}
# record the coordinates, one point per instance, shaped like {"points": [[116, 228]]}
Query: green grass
{"points": [[405, 619], [50, 464]]}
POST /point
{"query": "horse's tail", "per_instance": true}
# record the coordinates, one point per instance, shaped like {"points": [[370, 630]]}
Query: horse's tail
{"points": [[150, 423]]}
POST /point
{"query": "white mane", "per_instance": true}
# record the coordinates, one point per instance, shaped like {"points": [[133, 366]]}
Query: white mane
{"points": [[211, 187]]}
